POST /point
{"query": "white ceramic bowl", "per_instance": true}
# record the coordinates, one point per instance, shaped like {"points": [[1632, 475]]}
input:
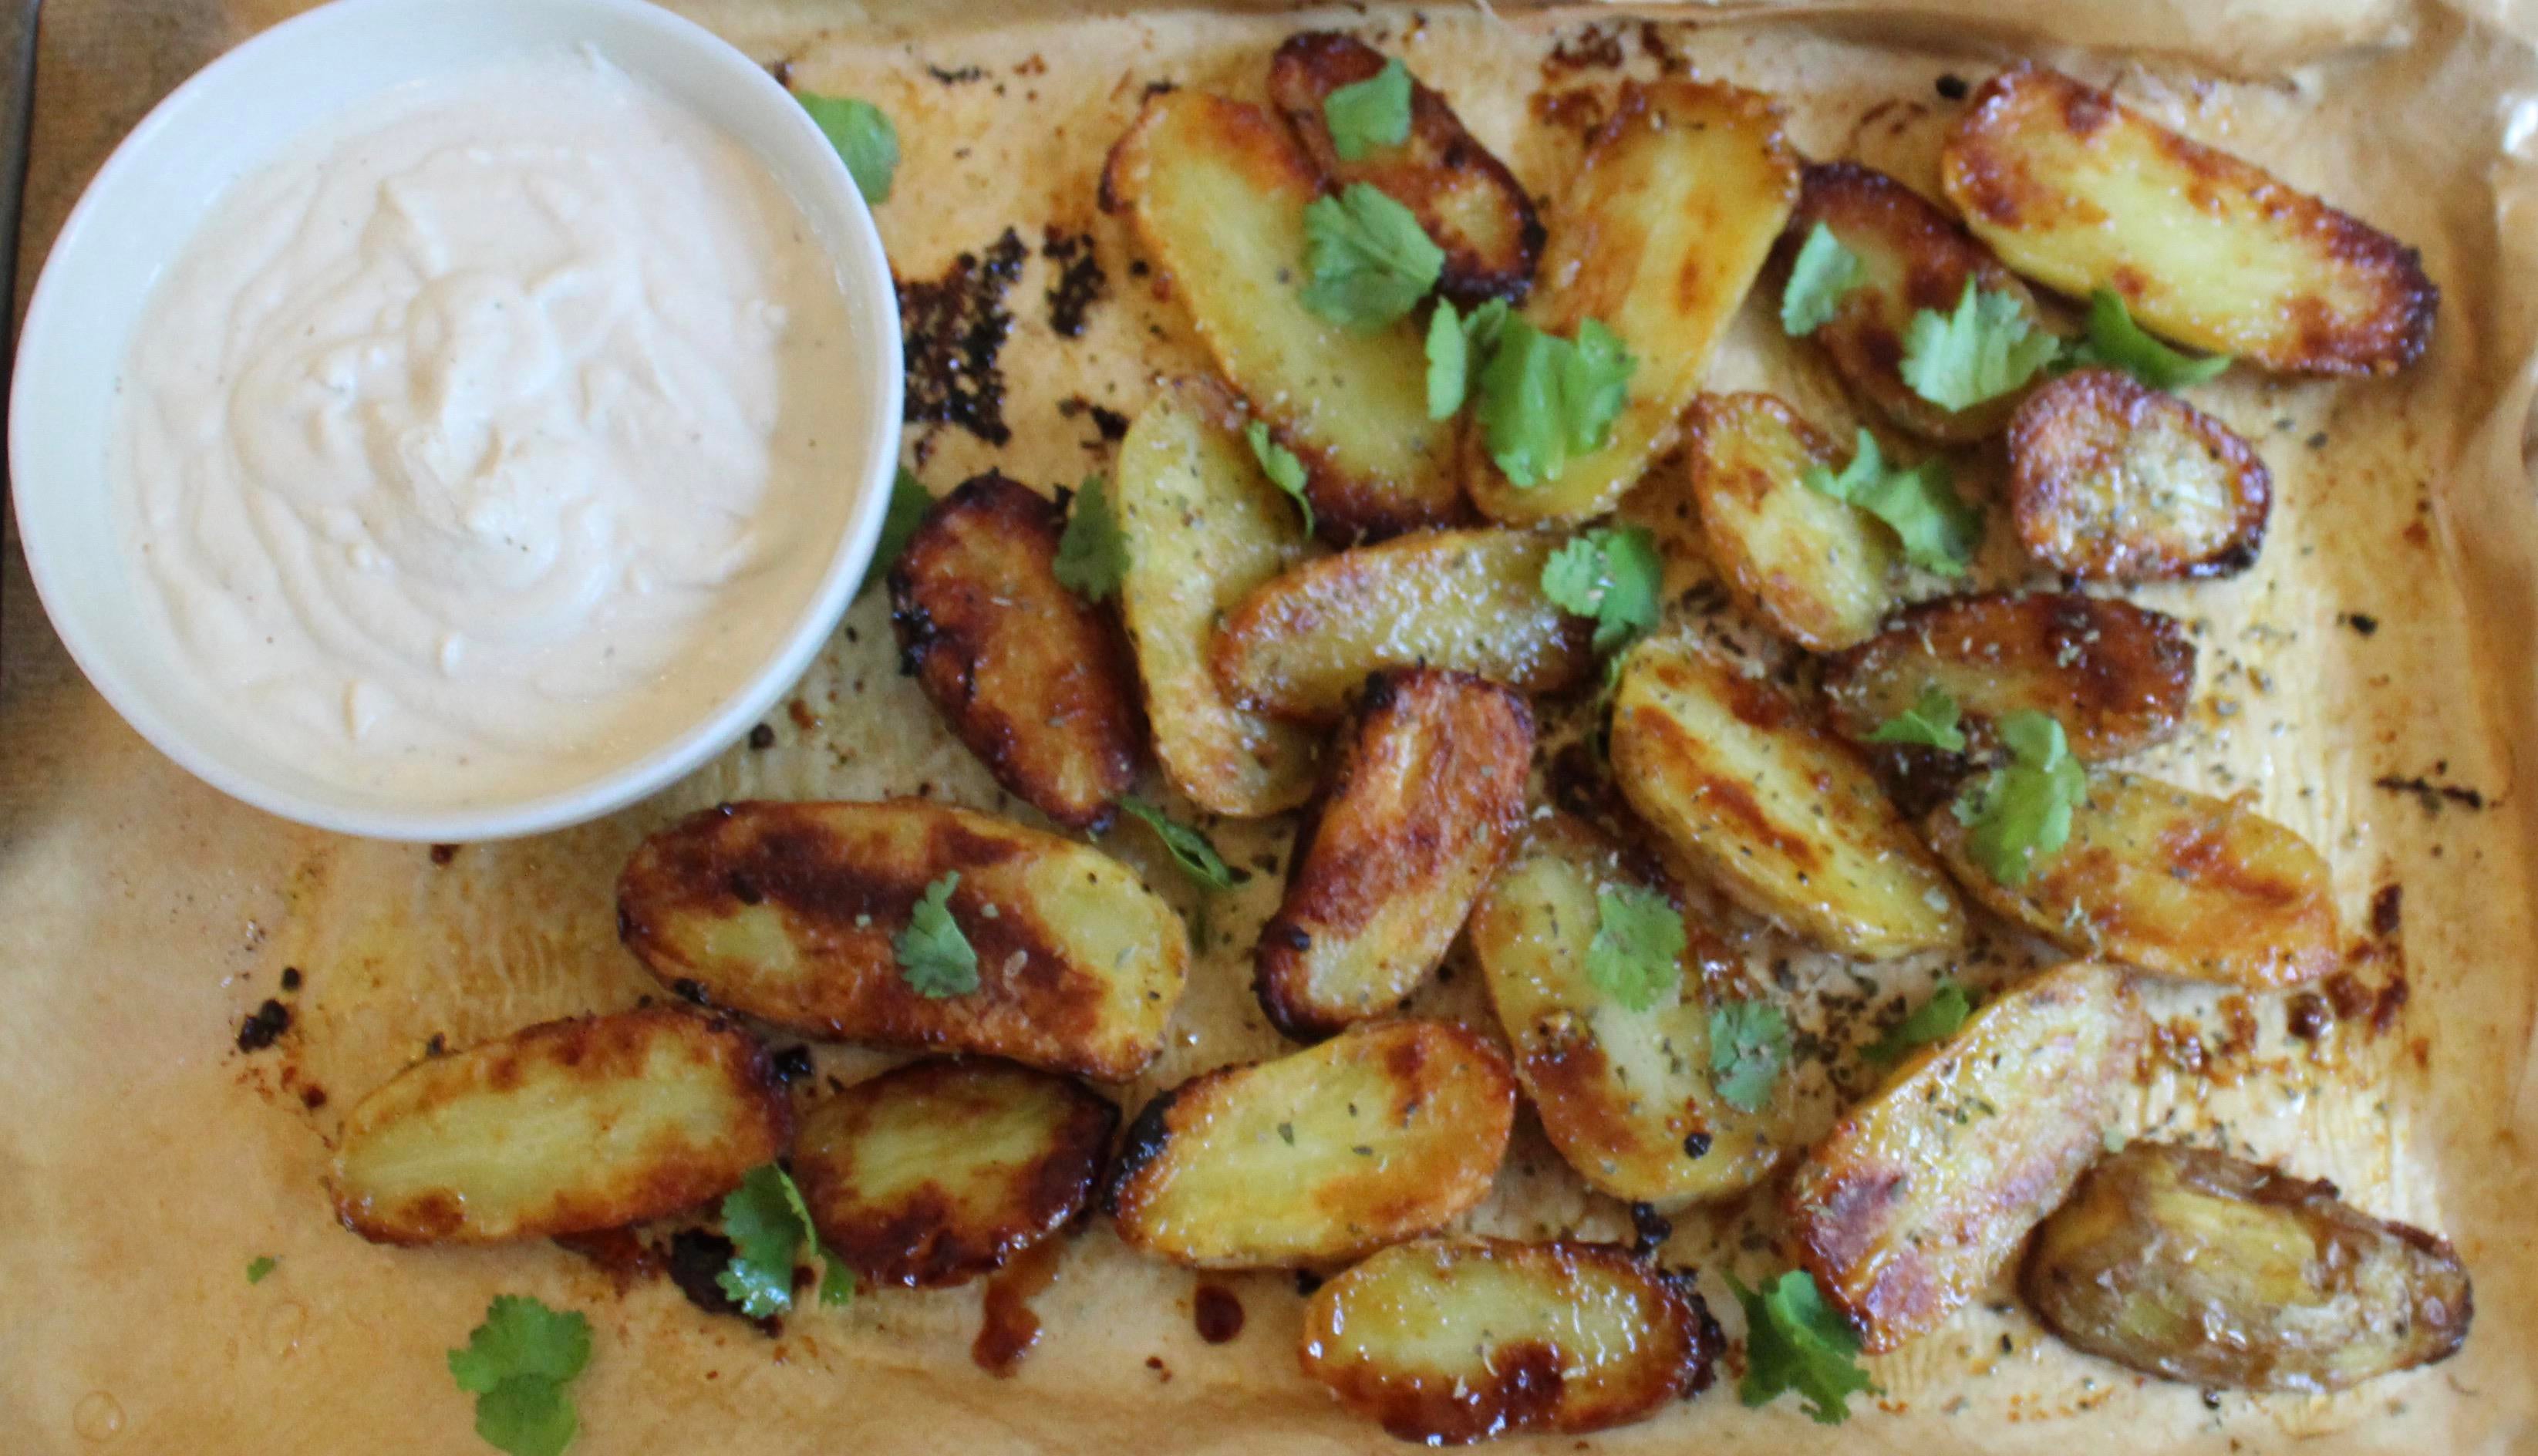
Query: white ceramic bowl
{"points": [[238, 113]]}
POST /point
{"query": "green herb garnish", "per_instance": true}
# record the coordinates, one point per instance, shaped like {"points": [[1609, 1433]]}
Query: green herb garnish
{"points": [[1795, 1341], [1938, 530], [1930, 722], [516, 1364], [1823, 272], [769, 1224], [1934, 1020], [1369, 260], [1280, 464], [2118, 341], [1093, 552], [1636, 955], [1370, 113], [1748, 1044], [1985, 349], [1546, 400], [934, 958], [863, 137], [2019, 815], [1188, 847], [1611, 574]]}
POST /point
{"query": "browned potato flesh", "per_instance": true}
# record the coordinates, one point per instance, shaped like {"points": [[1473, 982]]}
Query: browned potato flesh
{"points": [[1448, 1343], [2170, 881], [1743, 791], [1470, 600], [788, 913], [1658, 237], [1912, 256], [1028, 674], [1817, 570], [1426, 789], [1382, 1133], [2114, 480], [942, 1169], [2200, 1267], [1216, 191], [564, 1127], [1921, 1193], [1471, 205], [1626, 1096], [2079, 192]]}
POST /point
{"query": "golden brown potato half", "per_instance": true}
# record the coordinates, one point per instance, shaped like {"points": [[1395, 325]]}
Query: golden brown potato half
{"points": [[1296, 647], [1028, 674], [2114, 480], [564, 1127], [942, 1169], [1204, 527], [1216, 191], [1921, 1193], [2199, 1267], [1384, 1132], [788, 913], [1817, 570], [1627, 1096], [1912, 256], [1746, 793], [1471, 205], [1426, 791], [2080, 193], [2170, 881], [1448, 1343], [1658, 238]]}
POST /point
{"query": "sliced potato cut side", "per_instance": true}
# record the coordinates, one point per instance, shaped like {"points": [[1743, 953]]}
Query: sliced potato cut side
{"points": [[2114, 480], [564, 1127], [1817, 570]]}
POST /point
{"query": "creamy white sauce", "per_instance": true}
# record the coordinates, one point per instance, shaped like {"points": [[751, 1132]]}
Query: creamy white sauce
{"points": [[476, 446]]}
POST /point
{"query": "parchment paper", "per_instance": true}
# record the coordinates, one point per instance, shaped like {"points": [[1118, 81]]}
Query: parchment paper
{"points": [[146, 1160]]}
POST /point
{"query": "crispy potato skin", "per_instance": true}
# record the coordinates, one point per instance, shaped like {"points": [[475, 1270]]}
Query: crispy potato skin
{"points": [[1745, 792], [1626, 1096], [2172, 882], [1661, 235], [1214, 191], [1920, 1193], [942, 1169], [1817, 570], [2114, 480], [1426, 791], [1912, 256], [786, 912], [2078, 191], [1029, 674], [1463, 195], [1471, 601], [1450, 1342], [564, 1127], [1383, 1133], [1204, 527], [2195, 1266]]}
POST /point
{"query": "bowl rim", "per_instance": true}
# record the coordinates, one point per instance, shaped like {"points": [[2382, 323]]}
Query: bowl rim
{"points": [[863, 274]]}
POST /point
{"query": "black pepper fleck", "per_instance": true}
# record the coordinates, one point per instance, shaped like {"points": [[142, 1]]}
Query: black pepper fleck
{"points": [[264, 1025]]}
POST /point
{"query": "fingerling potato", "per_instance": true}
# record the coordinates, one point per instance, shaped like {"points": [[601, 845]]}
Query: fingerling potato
{"points": [[2111, 480]]}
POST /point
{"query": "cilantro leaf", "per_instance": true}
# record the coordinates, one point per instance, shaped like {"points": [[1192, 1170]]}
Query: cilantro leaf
{"points": [[934, 957], [1938, 530], [1545, 399], [260, 1266], [1453, 340], [908, 502], [1934, 1020], [2118, 341], [516, 1363], [1368, 259], [526, 1417], [1188, 847], [1822, 274], [1092, 553], [1280, 464], [1370, 113], [1636, 955], [1749, 1043], [1930, 722], [1985, 349], [1795, 1341], [1609, 575], [2019, 814], [767, 1224], [863, 137]]}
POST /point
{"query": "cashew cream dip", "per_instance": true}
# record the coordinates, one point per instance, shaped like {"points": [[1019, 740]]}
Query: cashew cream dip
{"points": [[475, 447]]}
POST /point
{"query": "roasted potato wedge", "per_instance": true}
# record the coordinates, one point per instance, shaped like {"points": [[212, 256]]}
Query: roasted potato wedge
{"points": [[2114, 480], [1296, 647], [1216, 191], [2079, 192], [788, 913], [1471, 205], [1817, 570], [564, 1127], [942, 1169], [2199, 1267], [1028, 675], [1448, 1343], [1626, 1096], [1912, 256], [1382, 1133], [1921, 1193], [1746, 793], [1660, 237], [2170, 881], [1204, 527], [1426, 791]]}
